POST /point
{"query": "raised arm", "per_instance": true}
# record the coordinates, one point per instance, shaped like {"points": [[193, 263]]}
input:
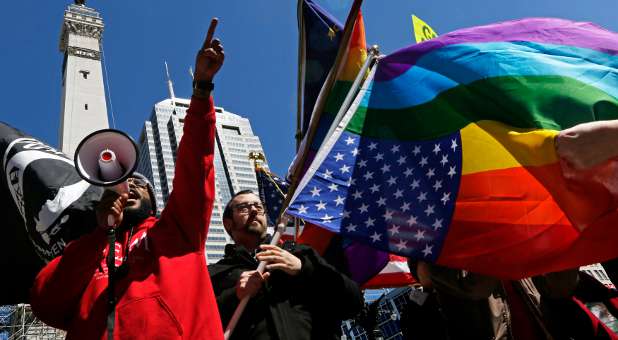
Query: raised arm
{"points": [[190, 205]]}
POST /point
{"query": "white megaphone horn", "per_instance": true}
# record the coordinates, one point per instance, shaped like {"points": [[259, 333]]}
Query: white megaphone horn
{"points": [[107, 158]]}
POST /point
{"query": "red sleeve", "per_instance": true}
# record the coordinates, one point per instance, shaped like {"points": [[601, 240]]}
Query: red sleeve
{"points": [[190, 204], [58, 287]]}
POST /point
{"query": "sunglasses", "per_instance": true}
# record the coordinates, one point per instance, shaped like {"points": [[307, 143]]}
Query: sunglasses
{"points": [[140, 183]]}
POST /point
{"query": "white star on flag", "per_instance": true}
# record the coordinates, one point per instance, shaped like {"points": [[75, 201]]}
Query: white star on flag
{"points": [[403, 244], [437, 224], [392, 180], [363, 208], [452, 172], [376, 237], [412, 220], [388, 215], [394, 229], [436, 149], [446, 197], [417, 150], [339, 200], [422, 197], [429, 210], [315, 192], [444, 160], [420, 234]]}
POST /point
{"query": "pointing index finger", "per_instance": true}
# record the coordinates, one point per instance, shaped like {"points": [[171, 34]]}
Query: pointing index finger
{"points": [[211, 33]]}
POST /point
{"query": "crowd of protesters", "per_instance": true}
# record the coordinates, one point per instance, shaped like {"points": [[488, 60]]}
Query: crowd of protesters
{"points": [[164, 290]]}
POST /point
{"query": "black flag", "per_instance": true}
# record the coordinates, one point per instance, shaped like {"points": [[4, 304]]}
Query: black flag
{"points": [[44, 205]]}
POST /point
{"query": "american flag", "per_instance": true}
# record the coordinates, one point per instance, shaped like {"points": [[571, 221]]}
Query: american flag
{"points": [[272, 192], [398, 196]]}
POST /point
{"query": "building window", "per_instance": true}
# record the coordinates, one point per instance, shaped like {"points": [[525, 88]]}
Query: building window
{"points": [[84, 73], [86, 107], [230, 130]]}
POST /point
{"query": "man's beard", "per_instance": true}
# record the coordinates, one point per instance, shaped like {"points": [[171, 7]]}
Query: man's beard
{"points": [[257, 229], [133, 216]]}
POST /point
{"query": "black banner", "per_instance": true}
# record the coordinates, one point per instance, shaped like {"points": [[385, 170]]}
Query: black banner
{"points": [[44, 204]]}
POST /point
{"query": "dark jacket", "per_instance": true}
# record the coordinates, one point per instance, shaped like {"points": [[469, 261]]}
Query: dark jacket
{"points": [[310, 305]]}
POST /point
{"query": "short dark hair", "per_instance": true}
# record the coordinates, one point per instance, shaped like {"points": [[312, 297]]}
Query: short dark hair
{"points": [[227, 212]]}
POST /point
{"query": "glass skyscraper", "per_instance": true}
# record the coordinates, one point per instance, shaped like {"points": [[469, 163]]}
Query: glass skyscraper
{"points": [[234, 171]]}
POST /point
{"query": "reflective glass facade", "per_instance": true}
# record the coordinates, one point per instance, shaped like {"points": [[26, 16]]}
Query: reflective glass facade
{"points": [[234, 171]]}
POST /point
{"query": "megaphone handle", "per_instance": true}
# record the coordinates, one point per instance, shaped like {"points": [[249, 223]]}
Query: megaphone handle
{"points": [[111, 271], [110, 221], [120, 189]]}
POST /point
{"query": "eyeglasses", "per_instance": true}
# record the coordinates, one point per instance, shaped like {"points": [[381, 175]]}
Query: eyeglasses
{"points": [[244, 208], [140, 183]]}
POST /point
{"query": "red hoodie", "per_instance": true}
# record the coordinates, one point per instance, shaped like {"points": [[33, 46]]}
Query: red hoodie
{"points": [[167, 293]]}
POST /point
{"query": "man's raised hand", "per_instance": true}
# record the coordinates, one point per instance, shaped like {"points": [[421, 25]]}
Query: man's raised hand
{"points": [[210, 57]]}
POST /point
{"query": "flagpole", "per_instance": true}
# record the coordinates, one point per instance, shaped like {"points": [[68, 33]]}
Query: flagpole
{"points": [[373, 53], [261, 267], [321, 100], [301, 74]]}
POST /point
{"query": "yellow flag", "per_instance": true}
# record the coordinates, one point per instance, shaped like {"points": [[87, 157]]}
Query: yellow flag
{"points": [[422, 31]]}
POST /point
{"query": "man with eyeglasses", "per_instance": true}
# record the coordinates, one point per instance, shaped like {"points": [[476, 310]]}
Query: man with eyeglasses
{"points": [[299, 296], [162, 288]]}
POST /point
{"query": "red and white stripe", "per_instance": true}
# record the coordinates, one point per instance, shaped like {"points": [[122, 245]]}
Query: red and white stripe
{"points": [[395, 274]]}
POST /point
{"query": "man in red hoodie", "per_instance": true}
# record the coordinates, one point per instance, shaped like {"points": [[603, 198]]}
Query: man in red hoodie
{"points": [[162, 287]]}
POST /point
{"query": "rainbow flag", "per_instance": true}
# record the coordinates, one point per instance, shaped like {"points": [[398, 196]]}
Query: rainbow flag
{"points": [[449, 157]]}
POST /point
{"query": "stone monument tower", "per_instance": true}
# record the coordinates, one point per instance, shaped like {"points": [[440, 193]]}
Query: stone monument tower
{"points": [[83, 109]]}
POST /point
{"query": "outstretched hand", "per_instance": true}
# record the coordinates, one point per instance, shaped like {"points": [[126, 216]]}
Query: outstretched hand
{"points": [[210, 57], [589, 144]]}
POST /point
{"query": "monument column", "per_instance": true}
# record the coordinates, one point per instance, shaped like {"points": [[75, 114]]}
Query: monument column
{"points": [[83, 107]]}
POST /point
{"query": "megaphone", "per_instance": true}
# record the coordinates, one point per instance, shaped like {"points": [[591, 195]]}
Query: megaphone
{"points": [[106, 158]]}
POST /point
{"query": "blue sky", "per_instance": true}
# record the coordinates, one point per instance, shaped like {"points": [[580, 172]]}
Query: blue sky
{"points": [[258, 80]]}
